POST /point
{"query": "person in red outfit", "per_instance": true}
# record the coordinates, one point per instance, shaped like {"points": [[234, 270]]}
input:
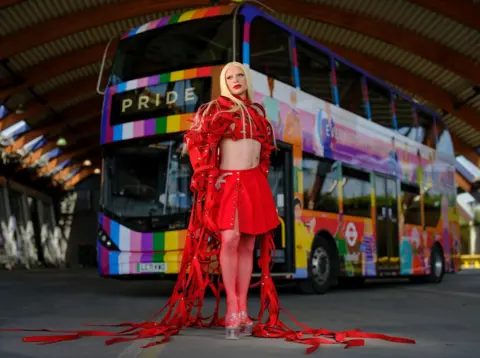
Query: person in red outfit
{"points": [[239, 139], [229, 146]]}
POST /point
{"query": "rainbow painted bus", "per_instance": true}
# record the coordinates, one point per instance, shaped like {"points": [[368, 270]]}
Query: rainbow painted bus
{"points": [[363, 179]]}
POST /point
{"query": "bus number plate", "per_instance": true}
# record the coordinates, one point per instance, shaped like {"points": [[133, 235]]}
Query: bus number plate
{"points": [[151, 267]]}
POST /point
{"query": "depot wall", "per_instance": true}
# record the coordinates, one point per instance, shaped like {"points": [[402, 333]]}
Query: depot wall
{"points": [[29, 231], [38, 231]]}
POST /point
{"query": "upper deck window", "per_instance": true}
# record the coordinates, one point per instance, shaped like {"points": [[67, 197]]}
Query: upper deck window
{"points": [[270, 50], [444, 144], [350, 89], [405, 119], [425, 133], [380, 104], [315, 71], [191, 44]]}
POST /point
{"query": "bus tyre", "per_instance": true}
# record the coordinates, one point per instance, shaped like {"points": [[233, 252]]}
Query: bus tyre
{"points": [[437, 265], [322, 267]]}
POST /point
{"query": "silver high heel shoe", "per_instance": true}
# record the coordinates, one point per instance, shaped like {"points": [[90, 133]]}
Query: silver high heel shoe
{"points": [[246, 324], [232, 326]]}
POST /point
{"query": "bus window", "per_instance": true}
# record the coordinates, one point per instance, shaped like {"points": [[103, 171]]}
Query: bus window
{"points": [[356, 192], [380, 104], [432, 205], [320, 180], [411, 204], [350, 89], [315, 71], [444, 143], [270, 50], [424, 130], [405, 118]]}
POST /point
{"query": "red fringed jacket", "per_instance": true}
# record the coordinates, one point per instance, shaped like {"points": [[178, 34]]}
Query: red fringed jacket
{"points": [[216, 123]]}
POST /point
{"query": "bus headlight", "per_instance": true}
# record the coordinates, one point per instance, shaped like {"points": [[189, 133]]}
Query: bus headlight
{"points": [[105, 241]]}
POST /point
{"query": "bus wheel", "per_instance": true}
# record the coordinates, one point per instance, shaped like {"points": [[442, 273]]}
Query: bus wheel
{"points": [[437, 265], [322, 267]]}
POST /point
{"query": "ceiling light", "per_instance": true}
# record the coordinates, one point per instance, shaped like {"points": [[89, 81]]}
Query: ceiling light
{"points": [[96, 171], [87, 163], [61, 142]]}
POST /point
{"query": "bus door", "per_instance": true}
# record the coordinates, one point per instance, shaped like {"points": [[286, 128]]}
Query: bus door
{"points": [[280, 179], [386, 193]]}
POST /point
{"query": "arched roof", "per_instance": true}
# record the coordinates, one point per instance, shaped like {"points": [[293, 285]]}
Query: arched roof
{"points": [[50, 54]]}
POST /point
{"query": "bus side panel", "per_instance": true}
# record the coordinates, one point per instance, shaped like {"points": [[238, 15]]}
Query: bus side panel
{"points": [[353, 236]]}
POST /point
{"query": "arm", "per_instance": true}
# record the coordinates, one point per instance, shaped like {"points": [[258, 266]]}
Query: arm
{"points": [[202, 143], [266, 150], [267, 146]]}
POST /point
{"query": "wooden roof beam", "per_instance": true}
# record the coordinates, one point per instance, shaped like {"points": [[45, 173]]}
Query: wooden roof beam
{"points": [[408, 81], [83, 20], [7, 3], [64, 156], [70, 114], [65, 171], [463, 149], [55, 128], [77, 178], [51, 144], [462, 182], [53, 98], [462, 11], [383, 31], [70, 168], [55, 66]]}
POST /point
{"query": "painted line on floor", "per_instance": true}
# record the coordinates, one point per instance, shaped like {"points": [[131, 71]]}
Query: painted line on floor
{"points": [[135, 350], [131, 351], [152, 352]]}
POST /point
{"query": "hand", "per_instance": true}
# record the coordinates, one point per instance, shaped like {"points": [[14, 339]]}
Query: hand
{"points": [[221, 180]]}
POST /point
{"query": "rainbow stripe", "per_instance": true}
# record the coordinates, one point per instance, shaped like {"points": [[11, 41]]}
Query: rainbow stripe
{"points": [[248, 13], [147, 127], [137, 247], [296, 74], [182, 17], [366, 98]]}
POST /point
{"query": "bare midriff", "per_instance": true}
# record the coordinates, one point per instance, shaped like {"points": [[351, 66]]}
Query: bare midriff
{"points": [[239, 155]]}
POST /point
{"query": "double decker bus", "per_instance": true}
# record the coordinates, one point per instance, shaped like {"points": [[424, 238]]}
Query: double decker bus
{"points": [[363, 178]]}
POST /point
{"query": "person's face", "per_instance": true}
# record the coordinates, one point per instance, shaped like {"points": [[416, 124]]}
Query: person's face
{"points": [[298, 212], [236, 81]]}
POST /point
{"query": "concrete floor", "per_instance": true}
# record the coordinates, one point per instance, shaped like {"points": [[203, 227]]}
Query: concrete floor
{"points": [[444, 319]]}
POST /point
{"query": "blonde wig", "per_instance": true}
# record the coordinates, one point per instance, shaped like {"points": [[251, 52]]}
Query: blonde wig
{"points": [[239, 105]]}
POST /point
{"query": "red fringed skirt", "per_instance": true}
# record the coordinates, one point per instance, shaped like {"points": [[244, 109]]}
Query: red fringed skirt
{"points": [[247, 197]]}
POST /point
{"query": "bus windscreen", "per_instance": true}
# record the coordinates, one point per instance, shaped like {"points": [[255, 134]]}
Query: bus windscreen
{"points": [[191, 44], [147, 184]]}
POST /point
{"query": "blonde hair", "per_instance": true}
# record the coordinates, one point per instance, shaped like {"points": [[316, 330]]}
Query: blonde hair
{"points": [[239, 105]]}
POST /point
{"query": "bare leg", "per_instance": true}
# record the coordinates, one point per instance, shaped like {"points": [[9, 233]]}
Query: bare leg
{"points": [[229, 266], [245, 268]]}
